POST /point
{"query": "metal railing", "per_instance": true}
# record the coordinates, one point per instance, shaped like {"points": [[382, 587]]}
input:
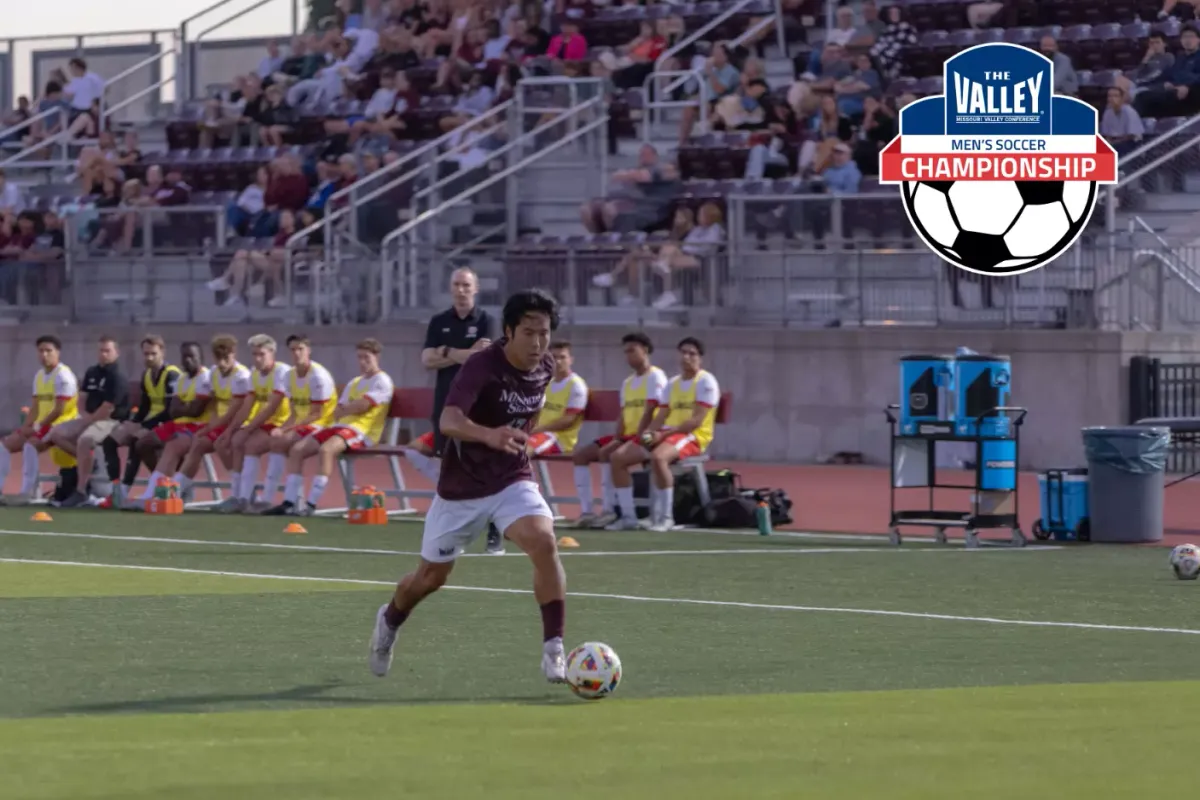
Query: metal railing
{"points": [[741, 7], [652, 88], [108, 109], [1150, 156], [59, 140], [191, 47]]}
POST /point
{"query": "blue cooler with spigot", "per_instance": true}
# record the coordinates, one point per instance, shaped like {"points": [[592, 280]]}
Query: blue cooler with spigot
{"points": [[981, 383], [924, 380]]}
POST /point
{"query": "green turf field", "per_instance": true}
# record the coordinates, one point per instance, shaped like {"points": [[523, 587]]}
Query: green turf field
{"points": [[216, 657]]}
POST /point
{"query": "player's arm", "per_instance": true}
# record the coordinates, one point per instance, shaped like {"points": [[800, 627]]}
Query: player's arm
{"points": [[169, 387], [143, 409], [435, 356], [197, 405], [30, 424], [654, 415]]}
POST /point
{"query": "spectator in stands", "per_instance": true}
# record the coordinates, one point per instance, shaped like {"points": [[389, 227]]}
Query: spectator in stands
{"points": [[302, 63], [1065, 80], [327, 184], [330, 81], [374, 15], [52, 98], [688, 254], [458, 68], [42, 261], [17, 116], [476, 99], [890, 45], [1178, 92], [287, 189], [632, 62], [271, 62], [853, 90], [878, 128], [377, 109], [1154, 64], [535, 39], [17, 236], [842, 176], [277, 119], [1169, 6], [568, 44], [84, 90], [363, 42], [166, 191], [1120, 124], [745, 109], [721, 77], [824, 69], [496, 41], [92, 168], [844, 31], [829, 127], [258, 271], [121, 225], [11, 201], [642, 197], [242, 215], [630, 266]]}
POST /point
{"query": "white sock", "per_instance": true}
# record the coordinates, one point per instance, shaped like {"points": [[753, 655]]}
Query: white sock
{"points": [[183, 481], [250, 465], [608, 498], [5, 466], [29, 470], [625, 501], [151, 482], [293, 488], [431, 468], [235, 484], [276, 464], [655, 501], [667, 504], [318, 489], [583, 488]]}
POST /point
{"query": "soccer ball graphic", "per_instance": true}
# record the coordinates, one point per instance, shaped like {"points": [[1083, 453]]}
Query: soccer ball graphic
{"points": [[999, 227], [593, 670], [1185, 562]]}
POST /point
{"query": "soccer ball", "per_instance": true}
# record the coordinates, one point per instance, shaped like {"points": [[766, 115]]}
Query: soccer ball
{"points": [[593, 670], [999, 227], [1185, 562]]}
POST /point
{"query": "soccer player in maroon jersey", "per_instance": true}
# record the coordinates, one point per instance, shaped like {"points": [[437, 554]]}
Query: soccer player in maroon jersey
{"points": [[486, 478]]}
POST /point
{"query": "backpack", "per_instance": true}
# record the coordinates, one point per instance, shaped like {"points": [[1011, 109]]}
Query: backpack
{"points": [[731, 512], [722, 485], [777, 501]]}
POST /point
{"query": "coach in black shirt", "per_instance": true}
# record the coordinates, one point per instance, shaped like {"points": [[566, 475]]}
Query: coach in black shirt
{"points": [[452, 337], [103, 405]]}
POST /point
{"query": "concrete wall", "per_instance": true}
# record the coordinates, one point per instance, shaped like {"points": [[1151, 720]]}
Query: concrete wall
{"points": [[798, 394]]}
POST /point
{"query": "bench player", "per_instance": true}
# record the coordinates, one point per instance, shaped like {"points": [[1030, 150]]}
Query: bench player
{"points": [[641, 394], [486, 478], [359, 420], [681, 429], [256, 422], [231, 389], [557, 428], [189, 411], [312, 392], [55, 401]]}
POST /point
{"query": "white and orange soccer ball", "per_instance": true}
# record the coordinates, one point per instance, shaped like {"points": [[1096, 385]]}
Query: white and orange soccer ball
{"points": [[1185, 562], [593, 670]]}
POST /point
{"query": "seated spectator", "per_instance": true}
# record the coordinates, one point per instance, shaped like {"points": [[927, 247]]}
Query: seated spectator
{"points": [[1170, 6], [287, 189], [246, 213], [892, 42], [327, 184], [41, 129], [277, 118], [1178, 92], [688, 254], [270, 63], [829, 127], [844, 31], [842, 175], [18, 232], [396, 51], [495, 41], [1120, 124], [779, 125], [568, 44], [876, 132], [476, 99], [41, 261], [634, 61], [121, 227], [1155, 62], [21, 114], [721, 77], [853, 90], [302, 63], [1066, 81], [823, 70], [381, 104], [373, 16], [92, 168], [747, 109], [128, 151], [330, 81], [11, 200], [642, 197], [252, 272], [473, 145], [631, 265], [456, 70], [363, 42], [89, 220], [168, 191], [872, 26]]}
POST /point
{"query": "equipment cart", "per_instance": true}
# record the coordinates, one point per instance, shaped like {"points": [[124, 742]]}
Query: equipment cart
{"points": [[995, 490]]}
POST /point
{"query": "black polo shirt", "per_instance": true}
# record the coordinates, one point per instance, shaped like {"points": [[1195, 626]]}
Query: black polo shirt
{"points": [[105, 384], [448, 329]]}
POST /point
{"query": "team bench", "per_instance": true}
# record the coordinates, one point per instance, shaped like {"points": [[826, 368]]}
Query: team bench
{"points": [[604, 406]]}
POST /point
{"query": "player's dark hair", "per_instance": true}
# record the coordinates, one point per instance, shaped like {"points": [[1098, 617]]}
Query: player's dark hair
{"points": [[1157, 35], [530, 301], [638, 338], [561, 344], [154, 340], [53, 341], [693, 341], [107, 339], [189, 345], [370, 345], [297, 338]]}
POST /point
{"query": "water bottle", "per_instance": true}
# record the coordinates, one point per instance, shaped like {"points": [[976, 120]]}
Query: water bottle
{"points": [[763, 516]]}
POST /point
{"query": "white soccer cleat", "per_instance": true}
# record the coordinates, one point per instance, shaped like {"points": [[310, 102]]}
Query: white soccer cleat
{"points": [[663, 526], [554, 661], [623, 524], [383, 644]]}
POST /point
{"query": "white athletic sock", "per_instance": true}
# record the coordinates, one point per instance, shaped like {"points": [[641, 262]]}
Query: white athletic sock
{"points": [[431, 468], [667, 504], [608, 498], [151, 482], [318, 488], [583, 488], [293, 488], [235, 484], [5, 466], [29, 470], [276, 464], [250, 465], [183, 481], [655, 501], [625, 501]]}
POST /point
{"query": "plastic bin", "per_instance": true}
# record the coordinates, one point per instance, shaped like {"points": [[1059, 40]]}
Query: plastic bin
{"points": [[981, 383], [924, 380], [1064, 505], [1126, 470]]}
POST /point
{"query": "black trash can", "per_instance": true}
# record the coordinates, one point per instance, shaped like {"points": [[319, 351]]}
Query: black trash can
{"points": [[1126, 470]]}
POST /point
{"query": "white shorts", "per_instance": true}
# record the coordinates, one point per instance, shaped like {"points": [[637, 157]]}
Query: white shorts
{"points": [[452, 525]]}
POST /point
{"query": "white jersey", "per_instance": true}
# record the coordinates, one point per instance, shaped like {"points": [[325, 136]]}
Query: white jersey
{"points": [[655, 382]]}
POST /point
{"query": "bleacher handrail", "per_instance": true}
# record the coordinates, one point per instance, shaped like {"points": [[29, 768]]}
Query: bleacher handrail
{"points": [[7, 133], [60, 138], [776, 19], [106, 110], [701, 100], [190, 48], [699, 33], [1192, 126]]}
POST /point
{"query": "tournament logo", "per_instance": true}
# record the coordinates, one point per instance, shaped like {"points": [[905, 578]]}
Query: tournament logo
{"points": [[998, 175]]}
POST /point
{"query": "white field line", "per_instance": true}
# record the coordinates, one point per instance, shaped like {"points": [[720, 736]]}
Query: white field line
{"points": [[383, 552], [640, 599]]}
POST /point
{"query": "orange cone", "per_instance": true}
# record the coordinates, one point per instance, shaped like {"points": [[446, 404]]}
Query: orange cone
{"points": [[40, 516], [567, 541], [294, 527]]}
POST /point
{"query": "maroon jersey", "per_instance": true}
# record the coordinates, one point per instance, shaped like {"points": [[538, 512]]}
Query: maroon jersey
{"points": [[492, 393]]}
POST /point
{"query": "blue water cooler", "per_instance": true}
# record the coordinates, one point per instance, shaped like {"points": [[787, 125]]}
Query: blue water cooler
{"points": [[925, 381], [982, 383], [1064, 505], [998, 465]]}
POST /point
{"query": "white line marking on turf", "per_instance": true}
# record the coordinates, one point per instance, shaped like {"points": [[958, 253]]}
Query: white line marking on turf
{"points": [[383, 552], [874, 612]]}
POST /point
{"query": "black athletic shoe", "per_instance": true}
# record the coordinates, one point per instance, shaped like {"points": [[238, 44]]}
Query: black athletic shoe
{"points": [[284, 509], [495, 543]]}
